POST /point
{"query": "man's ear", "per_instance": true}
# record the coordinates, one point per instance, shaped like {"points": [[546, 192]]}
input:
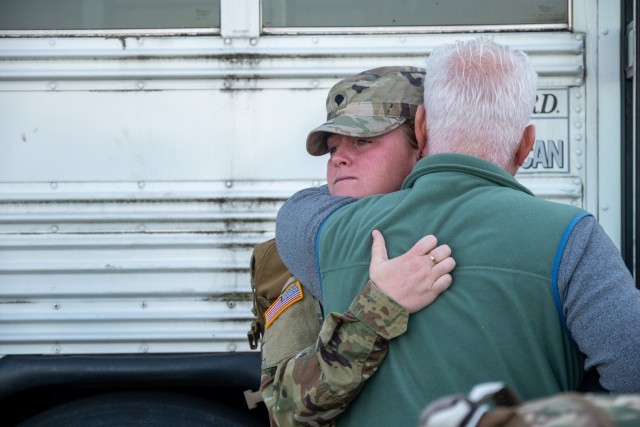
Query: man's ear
{"points": [[526, 144], [421, 130]]}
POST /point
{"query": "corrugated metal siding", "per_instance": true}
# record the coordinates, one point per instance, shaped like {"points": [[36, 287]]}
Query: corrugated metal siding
{"points": [[162, 271]]}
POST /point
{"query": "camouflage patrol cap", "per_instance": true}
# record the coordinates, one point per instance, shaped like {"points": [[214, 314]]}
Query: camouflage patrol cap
{"points": [[369, 104]]}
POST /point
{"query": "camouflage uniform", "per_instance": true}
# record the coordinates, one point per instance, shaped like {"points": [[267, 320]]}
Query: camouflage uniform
{"points": [[312, 369], [314, 386]]}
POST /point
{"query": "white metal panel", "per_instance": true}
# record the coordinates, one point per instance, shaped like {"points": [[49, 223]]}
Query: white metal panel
{"points": [[157, 135], [599, 104], [123, 271], [240, 18], [151, 270], [252, 63], [609, 147], [175, 109]]}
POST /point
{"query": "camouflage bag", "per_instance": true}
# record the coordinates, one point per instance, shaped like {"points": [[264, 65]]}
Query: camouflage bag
{"points": [[278, 295], [268, 276], [495, 405], [287, 318]]}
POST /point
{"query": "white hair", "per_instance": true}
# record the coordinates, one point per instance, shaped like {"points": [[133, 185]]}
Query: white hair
{"points": [[479, 97]]}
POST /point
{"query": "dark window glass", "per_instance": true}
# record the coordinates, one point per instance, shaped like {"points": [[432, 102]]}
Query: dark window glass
{"points": [[374, 13], [108, 14]]}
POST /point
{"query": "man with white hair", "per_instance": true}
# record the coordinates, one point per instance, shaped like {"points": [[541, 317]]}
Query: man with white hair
{"points": [[540, 292]]}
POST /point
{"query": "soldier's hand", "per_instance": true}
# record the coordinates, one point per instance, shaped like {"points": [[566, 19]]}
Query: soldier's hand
{"points": [[416, 278]]}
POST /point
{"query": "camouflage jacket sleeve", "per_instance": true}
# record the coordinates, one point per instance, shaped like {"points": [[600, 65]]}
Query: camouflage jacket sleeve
{"points": [[316, 385]]}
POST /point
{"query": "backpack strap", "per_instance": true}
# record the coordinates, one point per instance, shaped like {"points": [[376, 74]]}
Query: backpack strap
{"points": [[268, 275]]}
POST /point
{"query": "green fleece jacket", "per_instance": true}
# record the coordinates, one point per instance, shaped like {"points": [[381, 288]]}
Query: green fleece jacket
{"points": [[497, 322]]}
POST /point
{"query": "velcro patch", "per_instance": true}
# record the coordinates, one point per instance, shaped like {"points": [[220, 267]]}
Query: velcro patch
{"points": [[292, 294]]}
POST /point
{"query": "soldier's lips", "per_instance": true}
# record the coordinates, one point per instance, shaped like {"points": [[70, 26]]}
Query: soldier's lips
{"points": [[344, 179]]}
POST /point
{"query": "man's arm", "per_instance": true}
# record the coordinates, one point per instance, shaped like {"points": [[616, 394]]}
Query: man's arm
{"points": [[297, 225], [602, 306]]}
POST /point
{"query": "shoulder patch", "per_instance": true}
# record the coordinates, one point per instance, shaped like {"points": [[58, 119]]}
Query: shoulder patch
{"points": [[288, 297]]}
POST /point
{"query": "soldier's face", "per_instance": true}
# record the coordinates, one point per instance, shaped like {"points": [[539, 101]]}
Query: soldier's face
{"points": [[360, 167]]}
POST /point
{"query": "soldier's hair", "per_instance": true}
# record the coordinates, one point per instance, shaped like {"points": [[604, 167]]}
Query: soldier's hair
{"points": [[409, 129], [479, 97]]}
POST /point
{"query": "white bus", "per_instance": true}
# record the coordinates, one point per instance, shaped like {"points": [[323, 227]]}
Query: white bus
{"points": [[146, 146]]}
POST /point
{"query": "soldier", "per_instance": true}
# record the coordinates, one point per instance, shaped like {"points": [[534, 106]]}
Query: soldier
{"points": [[370, 123]]}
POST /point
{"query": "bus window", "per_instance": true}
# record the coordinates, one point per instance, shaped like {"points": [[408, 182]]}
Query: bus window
{"points": [[92, 15], [429, 13]]}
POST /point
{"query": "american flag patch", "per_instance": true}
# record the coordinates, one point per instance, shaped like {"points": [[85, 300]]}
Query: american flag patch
{"points": [[287, 298]]}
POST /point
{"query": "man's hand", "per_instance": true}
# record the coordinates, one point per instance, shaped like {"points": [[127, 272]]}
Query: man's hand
{"points": [[416, 278]]}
